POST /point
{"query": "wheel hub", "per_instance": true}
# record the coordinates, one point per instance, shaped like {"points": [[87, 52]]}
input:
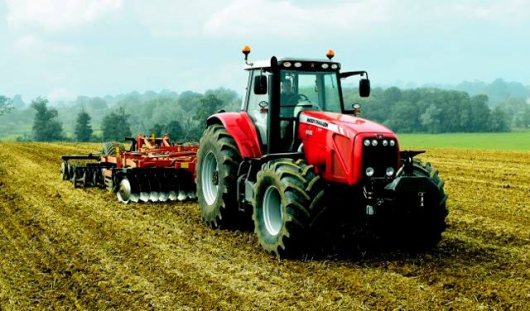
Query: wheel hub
{"points": [[272, 210], [215, 178], [210, 178]]}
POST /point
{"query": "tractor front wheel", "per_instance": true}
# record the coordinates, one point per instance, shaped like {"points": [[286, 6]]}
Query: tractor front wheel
{"points": [[287, 200]]}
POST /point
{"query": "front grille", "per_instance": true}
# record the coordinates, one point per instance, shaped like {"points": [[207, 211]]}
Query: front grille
{"points": [[379, 153]]}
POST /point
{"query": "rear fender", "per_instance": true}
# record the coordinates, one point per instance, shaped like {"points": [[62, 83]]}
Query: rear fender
{"points": [[242, 129]]}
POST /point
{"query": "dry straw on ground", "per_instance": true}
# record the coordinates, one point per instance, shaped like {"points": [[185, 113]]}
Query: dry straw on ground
{"points": [[66, 248]]}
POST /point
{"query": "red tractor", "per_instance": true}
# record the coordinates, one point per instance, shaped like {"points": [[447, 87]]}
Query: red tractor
{"points": [[295, 152]]}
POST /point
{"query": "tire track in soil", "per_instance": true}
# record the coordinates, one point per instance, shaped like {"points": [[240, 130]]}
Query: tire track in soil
{"points": [[87, 218], [144, 243], [154, 249]]}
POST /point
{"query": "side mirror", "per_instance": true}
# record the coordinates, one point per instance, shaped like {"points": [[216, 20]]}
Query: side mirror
{"points": [[364, 87], [260, 85]]}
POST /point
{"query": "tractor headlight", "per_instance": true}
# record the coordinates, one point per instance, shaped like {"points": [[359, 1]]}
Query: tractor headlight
{"points": [[374, 142], [392, 143], [389, 171], [385, 143], [369, 171], [367, 143]]}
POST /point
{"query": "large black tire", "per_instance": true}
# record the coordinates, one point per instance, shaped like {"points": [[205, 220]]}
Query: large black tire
{"points": [[287, 200], [423, 231], [218, 159]]}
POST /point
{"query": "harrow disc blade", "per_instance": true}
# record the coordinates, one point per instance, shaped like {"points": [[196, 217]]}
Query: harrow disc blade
{"points": [[182, 196], [192, 195], [153, 196], [164, 196], [135, 197], [124, 191], [135, 187], [144, 196]]}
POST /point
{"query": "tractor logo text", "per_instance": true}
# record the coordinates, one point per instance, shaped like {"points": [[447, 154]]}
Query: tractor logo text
{"points": [[317, 122]]}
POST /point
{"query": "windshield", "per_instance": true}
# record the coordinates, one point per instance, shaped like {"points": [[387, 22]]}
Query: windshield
{"points": [[311, 90]]}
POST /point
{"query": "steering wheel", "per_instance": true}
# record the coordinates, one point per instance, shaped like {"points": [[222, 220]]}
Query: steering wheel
{"points": [[295, 99]]}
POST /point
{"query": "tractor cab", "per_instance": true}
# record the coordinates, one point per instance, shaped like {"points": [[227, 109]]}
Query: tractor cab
{"points": [[279, 90]]}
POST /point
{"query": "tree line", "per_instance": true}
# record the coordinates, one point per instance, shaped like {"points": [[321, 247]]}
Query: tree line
{"points": [[430, 110], [182, 116]]}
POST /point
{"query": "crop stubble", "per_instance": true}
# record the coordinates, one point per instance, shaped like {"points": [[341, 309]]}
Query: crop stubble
{"points": [[66, 248]]}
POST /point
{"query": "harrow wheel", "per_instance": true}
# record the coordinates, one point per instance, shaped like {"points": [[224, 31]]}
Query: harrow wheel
{"points": [[217, 162], [287, 200], [64, 170]]}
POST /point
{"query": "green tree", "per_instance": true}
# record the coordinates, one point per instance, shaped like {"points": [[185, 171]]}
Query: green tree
{"points": [[115, 126], [525, 119], [175, 131], [209, 105], [404, 118], [189, 100], [83, 129], [481, 114], [499, 121], [46, 127], [158, 129], [430, 119], [5, 105]]}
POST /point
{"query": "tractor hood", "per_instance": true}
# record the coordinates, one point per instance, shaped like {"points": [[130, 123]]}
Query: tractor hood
{"points": [[346, 125]]}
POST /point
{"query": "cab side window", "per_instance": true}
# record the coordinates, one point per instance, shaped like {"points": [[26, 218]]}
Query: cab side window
{"points": [[258, 106]]}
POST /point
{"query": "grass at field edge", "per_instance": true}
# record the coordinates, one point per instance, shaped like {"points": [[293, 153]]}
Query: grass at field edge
{"points": [[498, 141]]}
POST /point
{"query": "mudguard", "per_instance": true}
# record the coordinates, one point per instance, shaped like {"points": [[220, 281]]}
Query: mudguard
{"points": [[242, 129]]}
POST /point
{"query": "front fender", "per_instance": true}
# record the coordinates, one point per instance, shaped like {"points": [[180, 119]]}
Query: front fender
{"points": [[242, 129]]}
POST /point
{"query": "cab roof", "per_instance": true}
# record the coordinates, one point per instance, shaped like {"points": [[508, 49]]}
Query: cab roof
{"points": [[297, 64]]}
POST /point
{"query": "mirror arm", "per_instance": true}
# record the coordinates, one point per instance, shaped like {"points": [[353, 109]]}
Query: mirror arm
{"points": [[343, 75]]}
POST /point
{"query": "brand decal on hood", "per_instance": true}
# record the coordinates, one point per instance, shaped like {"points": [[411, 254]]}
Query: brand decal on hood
{"points": [[321, 123]]}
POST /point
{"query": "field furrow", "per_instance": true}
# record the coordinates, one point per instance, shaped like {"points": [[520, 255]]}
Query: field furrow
{"points": [[66, 248]]}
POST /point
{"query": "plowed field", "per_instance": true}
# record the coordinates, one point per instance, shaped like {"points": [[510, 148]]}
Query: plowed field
{"points": [[66, 248]]}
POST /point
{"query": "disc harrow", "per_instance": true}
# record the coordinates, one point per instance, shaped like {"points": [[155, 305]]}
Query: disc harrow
{"points": [[152, 170]]}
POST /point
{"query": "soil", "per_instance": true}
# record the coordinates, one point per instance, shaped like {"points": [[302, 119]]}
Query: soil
{"points": [[64, 248]]}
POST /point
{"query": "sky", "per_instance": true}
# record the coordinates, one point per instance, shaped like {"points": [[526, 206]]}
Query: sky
{"points": [[60, 49]]}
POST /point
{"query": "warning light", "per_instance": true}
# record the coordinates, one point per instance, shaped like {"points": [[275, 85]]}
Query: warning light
{"points": [[246, 51], [330, 54]]}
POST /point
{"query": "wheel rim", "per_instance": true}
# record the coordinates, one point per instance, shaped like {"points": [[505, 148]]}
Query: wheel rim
{"points": [[210, 178], [124, 193], [273, 210]]}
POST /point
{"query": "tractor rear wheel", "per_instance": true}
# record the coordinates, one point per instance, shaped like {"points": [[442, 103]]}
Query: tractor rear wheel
{"points": [[218, 159], [423, 231], [287, 200]]}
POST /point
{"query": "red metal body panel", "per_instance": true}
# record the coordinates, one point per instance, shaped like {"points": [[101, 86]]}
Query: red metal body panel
{"points": [[242, 129], [178, 157], [333, 143]]}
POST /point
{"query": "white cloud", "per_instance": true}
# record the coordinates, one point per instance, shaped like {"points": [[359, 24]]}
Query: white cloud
{"points": [[61, 94], [33, 46], [57, 15], [288, 19], [172, 18], [507, 12], [294, 19]]}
